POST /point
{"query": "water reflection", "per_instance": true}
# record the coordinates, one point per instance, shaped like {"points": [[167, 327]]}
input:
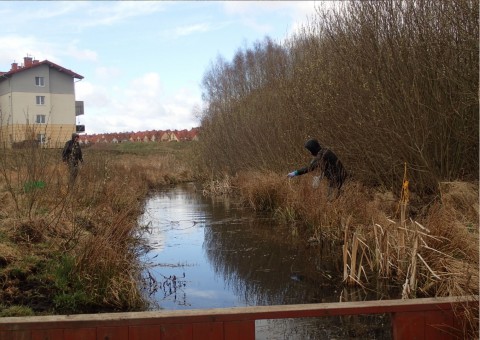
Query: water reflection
{"points": [[267, 265], [211, 253]]}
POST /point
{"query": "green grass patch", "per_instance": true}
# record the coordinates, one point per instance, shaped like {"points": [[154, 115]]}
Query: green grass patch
{"points": [[142, 149], [15, 311]]}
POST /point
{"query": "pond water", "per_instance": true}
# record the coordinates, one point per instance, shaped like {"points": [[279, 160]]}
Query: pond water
{"points": [[212, 253]]}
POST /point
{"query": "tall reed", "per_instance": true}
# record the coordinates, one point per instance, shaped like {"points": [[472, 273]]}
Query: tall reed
{"points": [[438, 252]]}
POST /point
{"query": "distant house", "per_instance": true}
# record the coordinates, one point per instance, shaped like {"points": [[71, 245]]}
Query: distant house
{"points": [[37, 102], [169, 136], [182, 135], [136, 137], [143, 136], [152, 136], [187, 135], [123, 137]]}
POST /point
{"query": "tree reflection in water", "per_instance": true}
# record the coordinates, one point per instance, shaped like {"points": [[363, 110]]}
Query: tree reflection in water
{"points": [[235, 252]]}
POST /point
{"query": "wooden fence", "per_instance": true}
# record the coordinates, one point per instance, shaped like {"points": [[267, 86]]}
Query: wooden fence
{"points": [[431, 318]]}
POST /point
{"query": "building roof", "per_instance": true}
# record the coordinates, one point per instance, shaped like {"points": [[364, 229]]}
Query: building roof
{"points": [[30, 64]]}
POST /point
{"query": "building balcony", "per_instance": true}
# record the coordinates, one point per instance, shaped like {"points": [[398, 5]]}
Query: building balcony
{"points": [[79, 108]]}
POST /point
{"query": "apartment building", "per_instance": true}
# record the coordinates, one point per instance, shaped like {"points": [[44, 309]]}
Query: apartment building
{"points": [[37, 104]]}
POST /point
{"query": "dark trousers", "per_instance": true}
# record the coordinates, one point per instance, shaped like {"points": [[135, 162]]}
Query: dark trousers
{"points": [[73, 170]]}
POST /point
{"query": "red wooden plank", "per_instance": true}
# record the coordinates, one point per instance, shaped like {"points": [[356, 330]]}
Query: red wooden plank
{"points": [[112, 333], [176, 332], [208, 331], [80, 334], [150, 332], [239, 322], [232, 314], [409, 325], [16, 335], [47, 334], [239, 330], [439, 325]]}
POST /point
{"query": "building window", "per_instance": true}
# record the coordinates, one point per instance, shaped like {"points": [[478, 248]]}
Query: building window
{"points": [[40, 119], [41, 138], [40, 81], [40, 100]]}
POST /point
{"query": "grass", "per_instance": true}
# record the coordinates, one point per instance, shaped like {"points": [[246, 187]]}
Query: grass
{"points": [[181, 151], [439, 252], [73, 249], [370, 225], [15, 311]]}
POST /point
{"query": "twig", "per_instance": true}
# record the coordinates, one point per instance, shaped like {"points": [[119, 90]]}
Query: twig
{"points": [[430, 269]]}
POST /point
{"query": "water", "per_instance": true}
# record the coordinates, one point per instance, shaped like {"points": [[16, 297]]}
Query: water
{"points": [[213, 253]]}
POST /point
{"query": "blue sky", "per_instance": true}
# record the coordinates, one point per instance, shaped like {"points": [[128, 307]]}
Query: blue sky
{"points": [[142, 61]]}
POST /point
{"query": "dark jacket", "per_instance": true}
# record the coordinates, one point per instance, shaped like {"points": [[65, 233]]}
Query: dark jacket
{"points": [[72, 153], [326, 162]]}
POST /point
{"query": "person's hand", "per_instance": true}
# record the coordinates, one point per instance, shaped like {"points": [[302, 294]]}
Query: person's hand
{"points": [[292, 174]]}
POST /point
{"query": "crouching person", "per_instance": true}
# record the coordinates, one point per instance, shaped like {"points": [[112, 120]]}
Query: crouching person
{"points": [[326, 163]]}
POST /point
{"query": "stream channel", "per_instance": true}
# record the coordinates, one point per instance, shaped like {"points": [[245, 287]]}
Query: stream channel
{"points": [[206, 252]]}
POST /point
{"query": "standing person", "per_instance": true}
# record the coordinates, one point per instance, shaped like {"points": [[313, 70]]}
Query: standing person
{"points": [[327, 163], [72, 154]]}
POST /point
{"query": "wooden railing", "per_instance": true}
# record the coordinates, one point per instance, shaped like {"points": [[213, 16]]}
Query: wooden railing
{"points": [[431, 318]]}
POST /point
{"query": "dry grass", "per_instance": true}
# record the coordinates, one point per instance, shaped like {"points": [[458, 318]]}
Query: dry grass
{"points": [[262, 190], [81, 242], [438, 254]]}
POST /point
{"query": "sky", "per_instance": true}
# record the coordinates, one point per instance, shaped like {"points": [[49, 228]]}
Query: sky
{"points": [[142, 61]]}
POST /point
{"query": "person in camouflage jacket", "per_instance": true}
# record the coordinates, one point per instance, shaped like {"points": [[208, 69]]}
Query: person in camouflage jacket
{"points": [[72, 155]]}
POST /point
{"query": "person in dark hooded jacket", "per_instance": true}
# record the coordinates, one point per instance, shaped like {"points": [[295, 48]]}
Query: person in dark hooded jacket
{"points": [[326, 162], [72, 154]]}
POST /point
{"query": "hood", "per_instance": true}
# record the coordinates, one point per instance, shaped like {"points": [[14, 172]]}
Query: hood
{"points": [[313, 146]]}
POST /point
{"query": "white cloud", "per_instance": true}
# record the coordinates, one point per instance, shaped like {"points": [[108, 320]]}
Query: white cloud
{"points": [[264, 7], [252, 13], [93, 96], [187, 30], [72, 51], [19, 46], [59, 9], [77, 14], [143, 105], [109, 13], [32, 11], [106, 72]]}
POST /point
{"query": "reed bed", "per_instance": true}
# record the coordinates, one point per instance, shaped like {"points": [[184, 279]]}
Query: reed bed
{"points": [[424, 251]]}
